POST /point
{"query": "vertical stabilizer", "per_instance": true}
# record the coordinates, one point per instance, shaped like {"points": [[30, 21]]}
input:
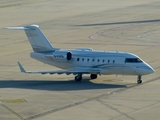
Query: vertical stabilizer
{"points": [[36, 38]]}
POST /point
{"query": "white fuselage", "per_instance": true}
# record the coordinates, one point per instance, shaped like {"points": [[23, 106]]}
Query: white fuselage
{"points": [[109, 62], [82, 60]]}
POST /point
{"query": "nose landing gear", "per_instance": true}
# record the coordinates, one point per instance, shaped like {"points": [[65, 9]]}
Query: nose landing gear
{"points": [[139, 81]]}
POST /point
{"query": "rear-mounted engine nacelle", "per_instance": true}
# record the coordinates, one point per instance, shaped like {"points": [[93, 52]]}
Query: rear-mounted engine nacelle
{"points": [[62, 56]]}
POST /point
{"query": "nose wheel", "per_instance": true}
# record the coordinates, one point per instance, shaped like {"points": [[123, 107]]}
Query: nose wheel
{"points": [[139, 81]]}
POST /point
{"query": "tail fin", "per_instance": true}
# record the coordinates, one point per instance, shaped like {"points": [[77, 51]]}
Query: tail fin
{"points": [[36, 38]]}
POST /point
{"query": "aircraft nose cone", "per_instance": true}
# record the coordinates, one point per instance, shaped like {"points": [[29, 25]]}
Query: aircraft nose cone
{"points": [[147, 69], [151, 70]]}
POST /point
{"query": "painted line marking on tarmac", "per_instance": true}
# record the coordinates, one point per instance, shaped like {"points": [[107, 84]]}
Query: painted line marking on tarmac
{"points": [[12, 111], [13, 100], [87, 100]]}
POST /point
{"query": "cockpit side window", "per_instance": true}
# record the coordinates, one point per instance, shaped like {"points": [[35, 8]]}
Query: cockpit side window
{"points": [[138, 60], [133, 60]]}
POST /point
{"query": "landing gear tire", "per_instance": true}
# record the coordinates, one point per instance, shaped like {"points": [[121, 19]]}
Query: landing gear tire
{"points": [[139, 81], [78, 77], [93, 76]]}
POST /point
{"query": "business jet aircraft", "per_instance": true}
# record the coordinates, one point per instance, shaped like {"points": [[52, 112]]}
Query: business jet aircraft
{"points": [[82, 60]]}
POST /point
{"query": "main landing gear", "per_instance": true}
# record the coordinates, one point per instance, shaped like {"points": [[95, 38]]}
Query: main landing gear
{"points": [[139, 81], [93, 76], [79, 77]]}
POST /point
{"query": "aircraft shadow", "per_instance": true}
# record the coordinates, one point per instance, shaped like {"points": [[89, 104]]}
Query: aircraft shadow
{"points": [[127, 22], [56, 85]]}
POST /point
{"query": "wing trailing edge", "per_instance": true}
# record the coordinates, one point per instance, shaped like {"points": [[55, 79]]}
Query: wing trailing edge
{"points": [[59, 72]]}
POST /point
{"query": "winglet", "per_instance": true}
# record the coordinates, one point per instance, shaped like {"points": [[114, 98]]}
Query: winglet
{"points": [[21, 67]]}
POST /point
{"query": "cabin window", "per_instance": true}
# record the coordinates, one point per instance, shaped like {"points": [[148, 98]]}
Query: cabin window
{"points": [[82, 59], [88, 60], [108, 61], [98, 60], [77, 59], [133, 60], [113, 61], [92, 60], [103, 61]]}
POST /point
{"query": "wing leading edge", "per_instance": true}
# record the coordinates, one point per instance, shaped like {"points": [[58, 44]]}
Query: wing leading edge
{"points": [[67, 72]]}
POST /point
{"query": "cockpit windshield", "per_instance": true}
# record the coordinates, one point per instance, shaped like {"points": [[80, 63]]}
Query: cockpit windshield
{"points": [[133, 60]]}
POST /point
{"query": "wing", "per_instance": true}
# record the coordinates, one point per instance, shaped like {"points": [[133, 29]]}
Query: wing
{"points": [[67, 72]]}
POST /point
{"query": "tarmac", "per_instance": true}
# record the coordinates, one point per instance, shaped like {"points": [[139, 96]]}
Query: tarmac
{"points": [[128, 26]]}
